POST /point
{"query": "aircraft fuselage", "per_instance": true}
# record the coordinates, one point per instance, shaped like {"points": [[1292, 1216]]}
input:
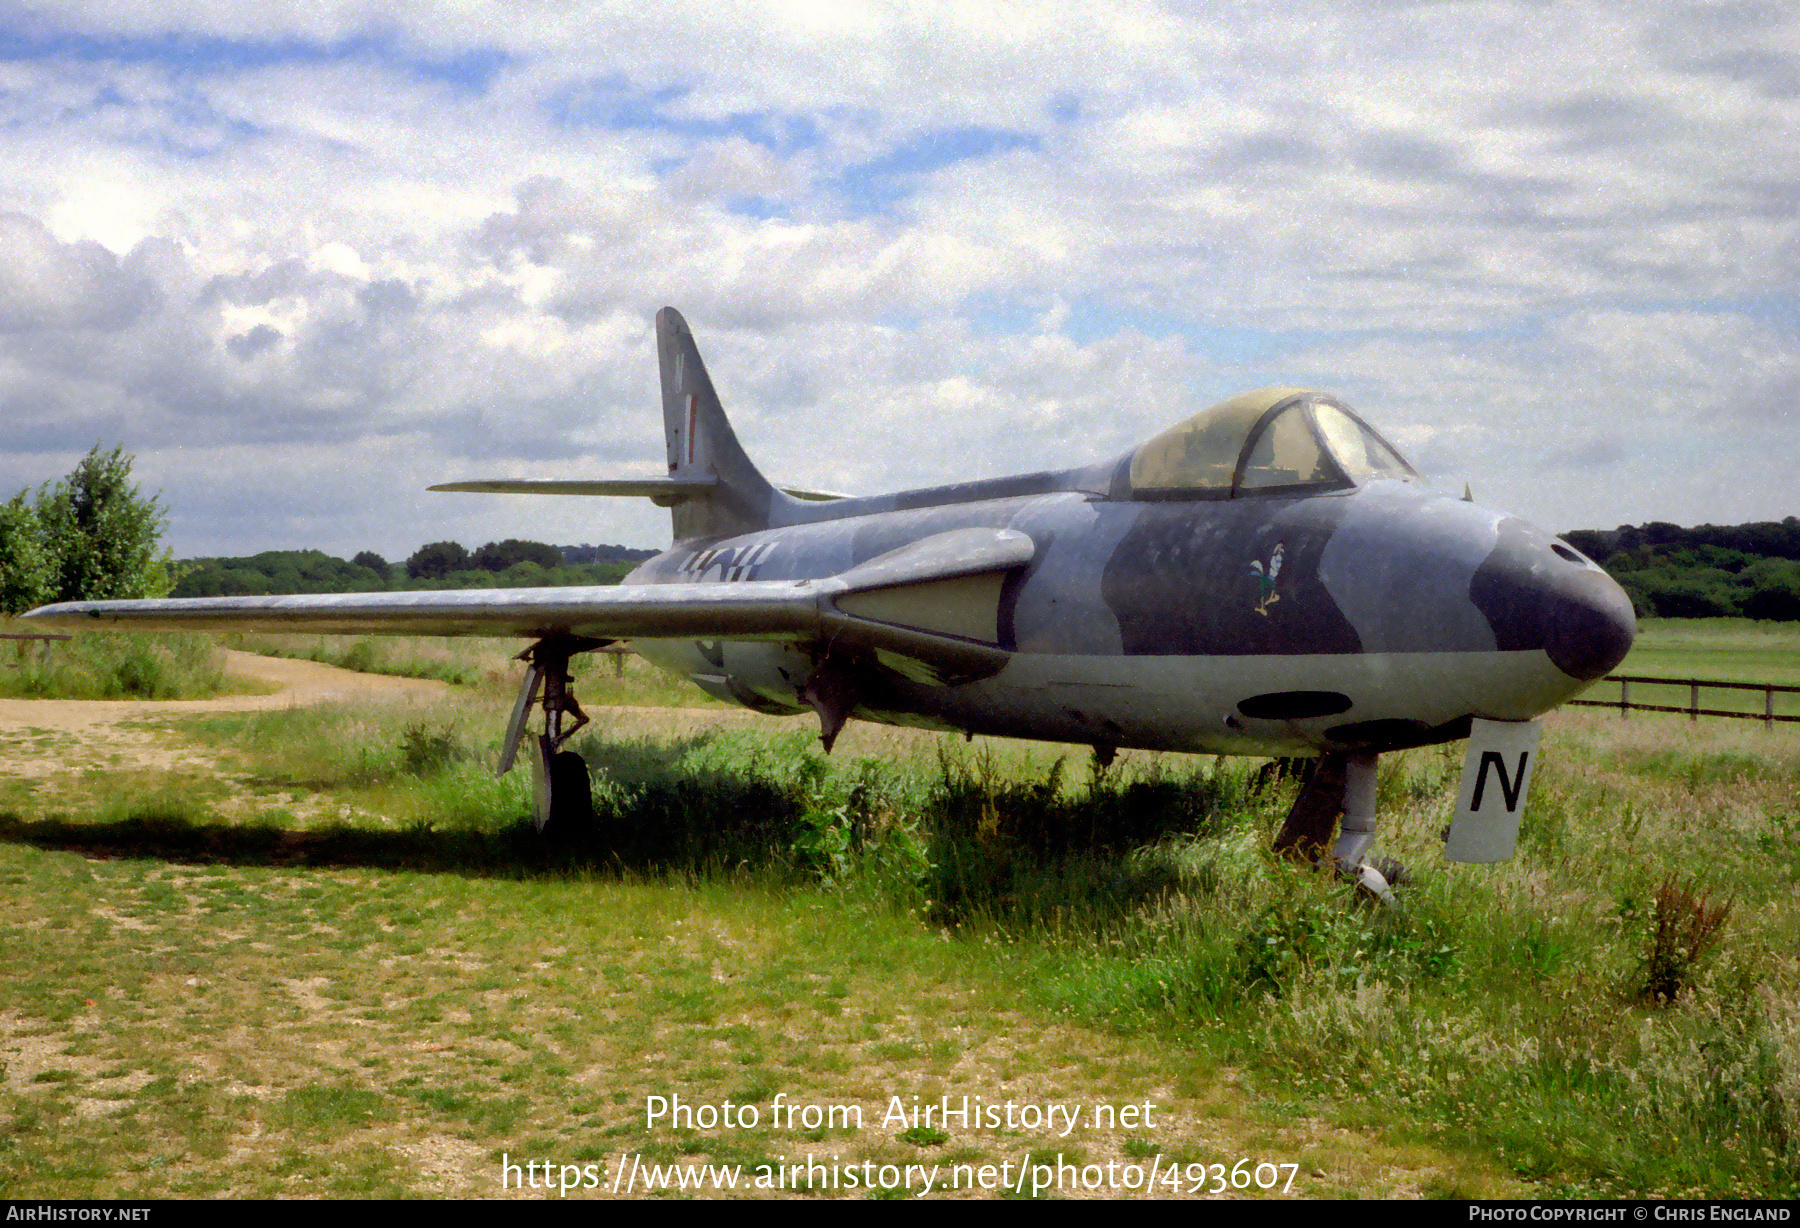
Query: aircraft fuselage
{"points": [[1377, 617]]}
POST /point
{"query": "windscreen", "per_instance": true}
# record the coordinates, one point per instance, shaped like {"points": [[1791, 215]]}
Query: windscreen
{"points": [[1358, 449], [1287, 453]]}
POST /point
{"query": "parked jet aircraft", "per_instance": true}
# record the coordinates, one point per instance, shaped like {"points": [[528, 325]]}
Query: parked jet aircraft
{"points": [[1268, 577]]}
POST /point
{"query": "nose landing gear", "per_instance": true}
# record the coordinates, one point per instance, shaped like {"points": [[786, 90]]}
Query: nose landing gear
{"points": [[1342, 783]]}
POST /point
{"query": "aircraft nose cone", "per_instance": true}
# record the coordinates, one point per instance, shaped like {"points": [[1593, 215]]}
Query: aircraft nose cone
{"points": [[1588, 626], [1538, 593]]}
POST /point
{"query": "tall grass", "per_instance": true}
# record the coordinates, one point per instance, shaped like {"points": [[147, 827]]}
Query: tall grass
{"points": [[480, 661], [1512, 1009], [456, 661], [111, 665]]}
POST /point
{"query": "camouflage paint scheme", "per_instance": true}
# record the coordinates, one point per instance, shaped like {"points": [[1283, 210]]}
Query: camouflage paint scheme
{"points": [[1349, 613], [1397, 612]]}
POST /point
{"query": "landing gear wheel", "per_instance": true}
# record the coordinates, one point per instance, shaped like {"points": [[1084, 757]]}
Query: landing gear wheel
{"points": [[571, 810], [563, 799], [562, 796], [1396, 874], [1369, 879], [1379, 877]]}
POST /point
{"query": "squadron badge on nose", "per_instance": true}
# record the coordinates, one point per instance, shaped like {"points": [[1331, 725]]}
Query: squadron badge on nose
{"points": [[1265, 580]]}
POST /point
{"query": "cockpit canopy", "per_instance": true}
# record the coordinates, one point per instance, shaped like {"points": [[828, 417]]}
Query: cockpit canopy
{"points": [[1271, 441]]}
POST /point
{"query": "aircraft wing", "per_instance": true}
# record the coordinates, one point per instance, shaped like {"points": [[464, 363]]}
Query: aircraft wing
{"points": [[934, 601]]}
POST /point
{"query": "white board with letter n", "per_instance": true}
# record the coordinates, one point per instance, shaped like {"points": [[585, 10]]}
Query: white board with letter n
{"points": [[1496, 775]]}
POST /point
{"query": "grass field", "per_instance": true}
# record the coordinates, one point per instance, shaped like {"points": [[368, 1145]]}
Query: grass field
{"points": [[1735, 649], [1721, 649], [290, 982], [344, 964]]}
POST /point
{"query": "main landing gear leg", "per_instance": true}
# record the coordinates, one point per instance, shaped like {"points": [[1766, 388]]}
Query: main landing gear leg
{"points": [[1342, 783], [831, 691], [562, 790]]}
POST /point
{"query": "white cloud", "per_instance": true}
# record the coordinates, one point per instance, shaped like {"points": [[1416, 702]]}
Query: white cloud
{"points": [[292, 239]]}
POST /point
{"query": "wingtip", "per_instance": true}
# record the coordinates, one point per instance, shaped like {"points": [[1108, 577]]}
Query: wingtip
{"points": [[57, 614]]}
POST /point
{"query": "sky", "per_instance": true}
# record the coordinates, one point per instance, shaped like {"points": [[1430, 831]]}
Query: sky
{"points": [[303, 261]]}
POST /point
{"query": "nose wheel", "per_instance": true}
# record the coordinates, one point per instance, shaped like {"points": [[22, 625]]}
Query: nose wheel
{"points": [[562, 791], [1342, 783]]}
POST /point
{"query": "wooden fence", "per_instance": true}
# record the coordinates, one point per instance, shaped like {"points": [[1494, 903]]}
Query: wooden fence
{"points": [[47, 637], [1768, 716]]}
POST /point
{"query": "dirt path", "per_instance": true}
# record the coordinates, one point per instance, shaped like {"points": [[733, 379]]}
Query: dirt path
{"points": [[301, 682], [49, 737]]}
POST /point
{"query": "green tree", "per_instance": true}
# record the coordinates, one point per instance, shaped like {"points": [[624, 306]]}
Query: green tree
{"points": [[498, 556], [374, 562], [103, 536], [435, 560], [27, 572], [1775, 590]]}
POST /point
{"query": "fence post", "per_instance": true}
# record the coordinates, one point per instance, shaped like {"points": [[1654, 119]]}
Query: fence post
{"points": [[1769, 707], [1693, 701], [1624, 700]]}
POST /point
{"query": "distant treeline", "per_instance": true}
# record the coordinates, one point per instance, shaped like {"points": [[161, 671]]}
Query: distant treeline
{"points": [[439, 565], [604, 554], [1710, 571]]}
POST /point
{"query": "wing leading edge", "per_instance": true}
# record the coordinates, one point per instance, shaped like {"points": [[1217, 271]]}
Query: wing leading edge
{"points": [[665, 491], [927, 601]]}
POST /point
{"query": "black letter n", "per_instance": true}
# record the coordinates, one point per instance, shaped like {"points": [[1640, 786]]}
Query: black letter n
{"points": [[1509, 788]]}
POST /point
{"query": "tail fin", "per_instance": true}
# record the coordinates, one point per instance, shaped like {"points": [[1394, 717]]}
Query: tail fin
{"points": [[703, 445]]}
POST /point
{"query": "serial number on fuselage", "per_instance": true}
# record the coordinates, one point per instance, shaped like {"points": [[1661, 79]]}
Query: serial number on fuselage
{"points": [[728, 562]]}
